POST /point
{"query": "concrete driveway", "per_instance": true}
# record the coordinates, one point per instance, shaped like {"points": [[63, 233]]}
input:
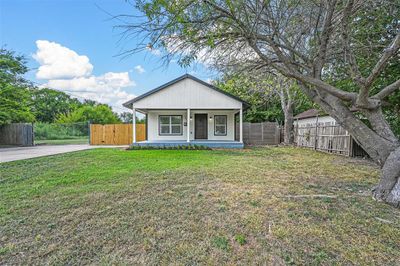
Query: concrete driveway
{"points": [[22, 153]]}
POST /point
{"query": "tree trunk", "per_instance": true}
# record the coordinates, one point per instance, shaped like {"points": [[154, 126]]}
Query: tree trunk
{"points": [[380, 125], [388, 189], [383, 149], [377, 147], [288, 137]]}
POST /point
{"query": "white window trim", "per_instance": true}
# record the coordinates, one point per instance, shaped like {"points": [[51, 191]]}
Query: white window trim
{"points": [[225, 125], [170, 126]]}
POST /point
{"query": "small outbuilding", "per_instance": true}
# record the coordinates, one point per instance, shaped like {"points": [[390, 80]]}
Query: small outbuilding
{"points": [[317, 130], [189, 111]]}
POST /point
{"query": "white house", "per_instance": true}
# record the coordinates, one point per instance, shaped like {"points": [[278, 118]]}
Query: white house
{"points": [[310, 118], [187, 111]]}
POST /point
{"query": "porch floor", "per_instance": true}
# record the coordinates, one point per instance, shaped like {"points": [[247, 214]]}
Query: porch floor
{"points": [[230, 144]]}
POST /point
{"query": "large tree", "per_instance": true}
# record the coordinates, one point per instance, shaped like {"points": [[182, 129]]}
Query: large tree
{"points": [[305, 40], [14, 89], [48, 104]]}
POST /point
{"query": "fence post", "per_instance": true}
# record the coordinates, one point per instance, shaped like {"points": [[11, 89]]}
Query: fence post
{"points": [[90, 133], [350, 152], [316, 134], [262, 132], [33, 134]]}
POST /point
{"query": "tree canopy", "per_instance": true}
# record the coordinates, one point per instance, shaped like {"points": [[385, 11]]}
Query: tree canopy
{"points": [[48, 104], [97, 114], [14, 89]]}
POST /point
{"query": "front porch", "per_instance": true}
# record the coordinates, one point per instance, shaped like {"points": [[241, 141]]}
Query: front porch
{"points": [[228, 144]]}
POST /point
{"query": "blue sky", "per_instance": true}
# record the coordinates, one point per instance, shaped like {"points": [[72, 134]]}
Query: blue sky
{"points": [[79, 46]]}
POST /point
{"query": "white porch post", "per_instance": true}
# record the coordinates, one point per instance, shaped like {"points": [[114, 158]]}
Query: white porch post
{"points": [[133, 124], [241, 124], [188, 125]]}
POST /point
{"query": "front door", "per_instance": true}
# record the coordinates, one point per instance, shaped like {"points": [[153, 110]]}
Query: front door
{"points": [[200, 126]]}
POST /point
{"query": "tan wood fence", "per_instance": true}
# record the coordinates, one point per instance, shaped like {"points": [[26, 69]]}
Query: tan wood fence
{"points": [[115, 134]]}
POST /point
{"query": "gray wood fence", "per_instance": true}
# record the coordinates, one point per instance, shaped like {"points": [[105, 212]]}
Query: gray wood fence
{"points": [[328, 138], [20, 134], [264, 133]]}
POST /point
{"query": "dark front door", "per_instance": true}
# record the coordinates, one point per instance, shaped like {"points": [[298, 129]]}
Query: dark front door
{"points": [[200, 126]]}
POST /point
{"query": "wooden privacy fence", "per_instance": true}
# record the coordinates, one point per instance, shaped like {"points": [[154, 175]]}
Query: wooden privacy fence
{"points": [[20, 134], [115, 134], [328, 138], [264, 133]]}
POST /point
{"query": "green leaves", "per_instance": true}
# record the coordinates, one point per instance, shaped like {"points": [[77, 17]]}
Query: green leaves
{"points": [[98, 114], [48, 104], [14, 89]]}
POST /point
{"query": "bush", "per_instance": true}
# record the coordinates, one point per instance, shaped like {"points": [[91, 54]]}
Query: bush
{"points": [[45, 131], [98, 114], [178, 147]]}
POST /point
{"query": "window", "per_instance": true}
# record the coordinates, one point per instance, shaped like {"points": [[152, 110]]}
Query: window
{"points": [[220, 125], [170, 124]]}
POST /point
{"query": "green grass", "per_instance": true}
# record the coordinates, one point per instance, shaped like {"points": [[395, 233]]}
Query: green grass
{"points": [[84, 140], [111, 206]]}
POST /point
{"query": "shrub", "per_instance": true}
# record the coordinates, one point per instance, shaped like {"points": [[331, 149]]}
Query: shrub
{"points": [[165, 147], [45, 131]]}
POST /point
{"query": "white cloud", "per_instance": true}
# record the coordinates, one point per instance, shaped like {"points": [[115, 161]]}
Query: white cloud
{"points": [[107, 82], [139, 69], [107, 88], [57, 61], [67, 71]]}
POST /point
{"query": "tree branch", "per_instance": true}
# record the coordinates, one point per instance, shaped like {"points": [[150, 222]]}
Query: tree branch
{"points": [[326, 33], [387, 54], [355, 72], [387, 90]]}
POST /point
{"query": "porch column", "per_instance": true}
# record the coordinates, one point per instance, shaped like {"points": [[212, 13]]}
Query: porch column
{"points": [[188, 125], [241, 124], [133, 124]]}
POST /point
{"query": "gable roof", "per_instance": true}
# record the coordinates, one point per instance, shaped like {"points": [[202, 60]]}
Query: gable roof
{"points": [[315, 112], [138, 98]]}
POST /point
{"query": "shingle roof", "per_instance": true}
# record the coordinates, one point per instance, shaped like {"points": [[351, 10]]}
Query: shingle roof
{"points": [[315, 112], [309, 113], [128, 103]]}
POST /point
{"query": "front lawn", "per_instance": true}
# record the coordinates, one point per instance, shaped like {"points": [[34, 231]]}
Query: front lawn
{"points": [[255, 206]]}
